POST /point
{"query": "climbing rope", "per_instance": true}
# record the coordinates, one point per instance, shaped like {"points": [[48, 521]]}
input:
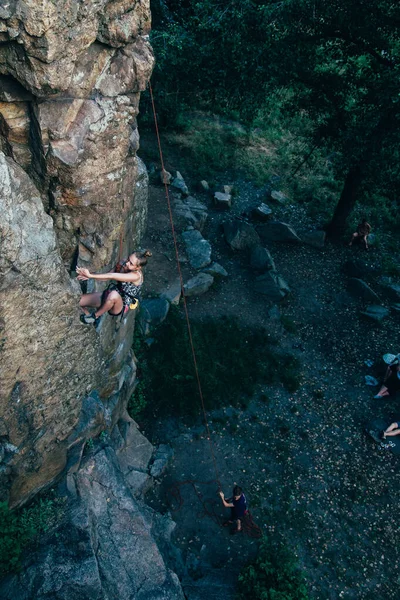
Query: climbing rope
{"points": [[183, 292], [174, 492]]}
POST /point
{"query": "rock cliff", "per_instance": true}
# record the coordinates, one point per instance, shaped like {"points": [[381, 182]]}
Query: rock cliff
{"points": [[72, 191]]}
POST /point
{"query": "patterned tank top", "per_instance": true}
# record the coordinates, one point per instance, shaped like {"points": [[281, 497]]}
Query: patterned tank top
{"points": [[129, 291]]}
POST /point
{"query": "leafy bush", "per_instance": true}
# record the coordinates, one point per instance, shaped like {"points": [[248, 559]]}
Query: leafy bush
{"points": [[231, 360], [274, 575], [137, 402], [20, 528]]}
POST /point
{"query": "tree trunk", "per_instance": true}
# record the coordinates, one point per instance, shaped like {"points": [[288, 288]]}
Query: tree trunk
{"points": [[346, 202]]}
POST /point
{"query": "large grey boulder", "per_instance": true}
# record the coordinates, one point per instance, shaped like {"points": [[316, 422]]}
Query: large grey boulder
{"points": [[356, 267], [173, 292], [262, 212], [188, 212], [240, 235], [222, 200], [359, 289], [375, 312], [261, 259], [279, 197], [198, 285], [163, 455], [391, 292], [179, 183], [198, 249], [277, 231], [107, 546], [272, 286], [153, 311], [216, 270]]}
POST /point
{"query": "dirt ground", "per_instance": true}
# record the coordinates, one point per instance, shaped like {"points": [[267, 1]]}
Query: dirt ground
{"points": [[309, 471]]}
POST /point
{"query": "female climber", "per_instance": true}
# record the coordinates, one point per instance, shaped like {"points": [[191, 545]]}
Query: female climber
{"points": [[117, 298]]}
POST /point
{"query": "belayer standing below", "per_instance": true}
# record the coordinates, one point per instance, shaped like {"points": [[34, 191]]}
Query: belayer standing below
{"points": [[362, 233], [117, 298], [238, 506]]}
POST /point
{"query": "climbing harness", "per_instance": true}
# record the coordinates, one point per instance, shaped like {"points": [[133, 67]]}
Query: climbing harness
{"points": [[209, 506]]}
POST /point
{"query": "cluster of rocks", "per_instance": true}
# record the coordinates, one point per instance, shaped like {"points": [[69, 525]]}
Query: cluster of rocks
{"points": [[189, 216], [109, 543], [243, 236], [372, 302]]}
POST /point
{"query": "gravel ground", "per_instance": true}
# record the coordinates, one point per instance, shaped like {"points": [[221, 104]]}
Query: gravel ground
{"points": [[308, 469]]}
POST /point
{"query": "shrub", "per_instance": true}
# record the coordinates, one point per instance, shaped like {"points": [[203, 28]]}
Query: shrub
{"points": [[231, 360], [274, 575], [20, 528]]}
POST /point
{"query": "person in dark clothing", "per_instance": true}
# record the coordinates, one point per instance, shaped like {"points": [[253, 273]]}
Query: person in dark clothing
{"points": [[362, 233], [238, 506], [391, 381]]}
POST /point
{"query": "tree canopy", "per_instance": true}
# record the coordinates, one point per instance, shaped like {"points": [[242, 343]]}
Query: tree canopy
{"points": [[340, 59]]}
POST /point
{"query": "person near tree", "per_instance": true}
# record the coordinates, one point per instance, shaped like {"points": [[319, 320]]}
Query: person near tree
{"points": [[118, 297], [238, 506], [362, 233]]}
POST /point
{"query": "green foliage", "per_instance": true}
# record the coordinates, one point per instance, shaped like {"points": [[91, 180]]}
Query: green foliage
{"points": [[137, 402], [273, 576], [231, 361], [334, 65], [21, 528]]}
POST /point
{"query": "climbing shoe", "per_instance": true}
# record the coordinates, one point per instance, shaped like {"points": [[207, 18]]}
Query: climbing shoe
{"points": [[89, 319]]}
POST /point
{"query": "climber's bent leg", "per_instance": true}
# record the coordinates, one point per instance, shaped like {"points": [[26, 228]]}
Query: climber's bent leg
{"points": [[90, 301], [112, 303]]}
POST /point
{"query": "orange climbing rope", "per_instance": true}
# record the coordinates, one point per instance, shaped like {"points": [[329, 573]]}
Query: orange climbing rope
{"points": [[183, 291], [208, 506]]}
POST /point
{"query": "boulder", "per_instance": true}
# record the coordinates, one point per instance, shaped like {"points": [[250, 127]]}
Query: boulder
{"points": [[279, 197], [240, 235], [162, 457], [262, 212], [216, 270], [173, 292], [198, 249], [198, 285], [359, 289], [165, 177], [358, 268], [376, 312], [204, 185], [391, 292], [227, 189], [272, 286], [179, 183], [105, 547], [276, 231], [188, 212], [153, 311], [314, 238], [222, 200], [261, 259]]}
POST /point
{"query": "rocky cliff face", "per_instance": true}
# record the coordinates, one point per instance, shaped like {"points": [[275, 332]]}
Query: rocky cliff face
{"points": [[71, 192]]}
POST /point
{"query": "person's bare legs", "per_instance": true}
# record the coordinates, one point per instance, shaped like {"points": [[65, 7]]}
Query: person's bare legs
{"points": [[382, 392], [365, 242], [90, 301], [353, 237], [392, 430], [113, 305]]}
